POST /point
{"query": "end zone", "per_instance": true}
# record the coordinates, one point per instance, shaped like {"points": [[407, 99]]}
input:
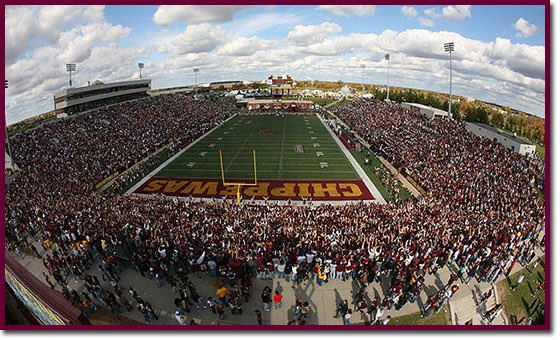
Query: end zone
{"points": [[276, 190]]}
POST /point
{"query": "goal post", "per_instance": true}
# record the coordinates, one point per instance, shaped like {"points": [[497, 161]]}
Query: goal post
{"points": [[239, 184]]}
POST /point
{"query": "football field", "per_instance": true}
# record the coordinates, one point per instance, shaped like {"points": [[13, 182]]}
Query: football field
{"points": [[296, 156]]}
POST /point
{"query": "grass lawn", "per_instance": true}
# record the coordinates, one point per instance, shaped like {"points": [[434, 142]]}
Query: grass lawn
{"points": [[275, 139], [343, 101], [442, 318], [517, 303], [540, 149], [370, 172]]}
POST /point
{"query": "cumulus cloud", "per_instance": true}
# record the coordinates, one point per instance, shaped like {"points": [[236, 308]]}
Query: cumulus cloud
{"points": [[78, 43], [354, 42], [409, 11], [243, 46], [420, 60], [451, 13], [348, 10], [426, 22], [37, 51], [27, 24], [197, 39], [195, 14], [525, 29], [261, 22], [499, 70], [307, 35]]}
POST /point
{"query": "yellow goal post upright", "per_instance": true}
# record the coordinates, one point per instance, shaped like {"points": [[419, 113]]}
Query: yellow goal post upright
{"points": [[239, 184]]}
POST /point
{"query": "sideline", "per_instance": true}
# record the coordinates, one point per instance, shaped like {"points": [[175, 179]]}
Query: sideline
{"points": [[369, 184], [164, 164]]}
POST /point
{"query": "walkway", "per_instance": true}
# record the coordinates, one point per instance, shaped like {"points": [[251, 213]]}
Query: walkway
{"points": [[323, 299]]}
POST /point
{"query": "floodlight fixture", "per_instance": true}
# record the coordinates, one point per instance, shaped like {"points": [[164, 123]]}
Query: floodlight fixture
{"points": [[363, 85], [70, 68], [195, 71], [140, 67], [7, 137], [387, 56], [449, 47]]}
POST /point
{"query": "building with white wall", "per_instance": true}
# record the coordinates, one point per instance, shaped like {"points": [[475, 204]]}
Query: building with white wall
{"points": [[507, 140], [428, 111]]}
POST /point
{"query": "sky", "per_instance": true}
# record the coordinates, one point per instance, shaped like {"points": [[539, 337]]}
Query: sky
{"points": [[499, 50]]}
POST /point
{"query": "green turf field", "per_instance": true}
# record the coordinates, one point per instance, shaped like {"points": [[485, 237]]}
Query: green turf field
{"points": [[274, 139]]}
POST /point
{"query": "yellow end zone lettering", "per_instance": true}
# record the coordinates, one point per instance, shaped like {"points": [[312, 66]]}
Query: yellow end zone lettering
{"points": [[155, 185], [173, 186], [260, 190], [229, 190], [330, 188], [200, 188], [354, 190], [287, 190], [303, 189]]}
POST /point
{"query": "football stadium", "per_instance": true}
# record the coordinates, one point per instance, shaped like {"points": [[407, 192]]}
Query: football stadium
{"points": [[297, 159], [276, 203]]}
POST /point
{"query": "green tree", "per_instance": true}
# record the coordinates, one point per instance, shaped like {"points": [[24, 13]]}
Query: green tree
{"points": [[497, 119]]}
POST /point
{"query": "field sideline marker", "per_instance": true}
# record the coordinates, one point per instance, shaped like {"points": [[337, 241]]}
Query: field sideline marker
{"points": [[357, 167], [164, 164]]}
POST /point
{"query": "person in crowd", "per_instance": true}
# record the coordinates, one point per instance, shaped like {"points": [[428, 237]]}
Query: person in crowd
{"points": [[480, 212]]}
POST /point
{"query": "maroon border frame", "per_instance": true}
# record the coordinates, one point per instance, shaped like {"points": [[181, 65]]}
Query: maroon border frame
{"points": [[547, 141]]}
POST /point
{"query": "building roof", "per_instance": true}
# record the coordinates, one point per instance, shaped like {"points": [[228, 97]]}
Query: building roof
{"points": [[100, 85], [225, 82], [502, 133], [426, 107], [272, 101]]}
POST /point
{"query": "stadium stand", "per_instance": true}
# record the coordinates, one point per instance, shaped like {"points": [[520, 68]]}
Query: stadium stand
{"points": [[481, 211]]}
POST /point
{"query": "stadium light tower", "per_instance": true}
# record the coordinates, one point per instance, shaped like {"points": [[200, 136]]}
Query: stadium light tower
{"points": [[140, 67], [449, 47], [387, 58], [195, 71], [363, 86], [8, 138], [70, 68]]}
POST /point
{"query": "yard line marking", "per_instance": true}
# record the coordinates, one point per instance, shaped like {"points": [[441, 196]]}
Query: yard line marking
{"points": [[174, 157], [319, 153], [323, 165], [316, 145], [253, 127], [358, 169], [275, 171], [203, 153], [191, 164], [308, 162], [212, 145]]}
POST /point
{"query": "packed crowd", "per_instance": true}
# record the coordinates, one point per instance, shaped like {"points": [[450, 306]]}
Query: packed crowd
{"points": [[481, 213]]}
